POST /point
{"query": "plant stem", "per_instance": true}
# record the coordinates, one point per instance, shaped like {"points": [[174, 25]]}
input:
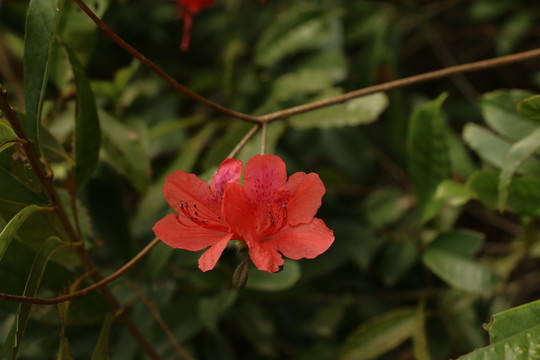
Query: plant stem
{"points": [[68, 297]]}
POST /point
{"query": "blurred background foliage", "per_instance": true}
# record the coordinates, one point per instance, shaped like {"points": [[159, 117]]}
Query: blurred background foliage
{"points": [[416, 178]]}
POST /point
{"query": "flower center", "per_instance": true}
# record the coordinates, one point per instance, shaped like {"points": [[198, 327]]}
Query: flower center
{"points": [[199, 218]]}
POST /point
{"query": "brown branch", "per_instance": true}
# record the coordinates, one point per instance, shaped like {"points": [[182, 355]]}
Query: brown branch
{"points": [[68, 297], [263, 137], [162, 323], [412, 80], [148, 63], [48, 186]]}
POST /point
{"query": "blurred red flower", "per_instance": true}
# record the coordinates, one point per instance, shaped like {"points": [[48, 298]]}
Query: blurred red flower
{"points": [[272, 215], [186, 10]]}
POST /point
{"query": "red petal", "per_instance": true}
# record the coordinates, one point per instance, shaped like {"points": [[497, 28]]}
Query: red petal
{"points": [[305, 193], [239, 213], [208, 260], [185, 235], [263, 175], [229, 171], [265, 257], [180, 186], [302, 241]]}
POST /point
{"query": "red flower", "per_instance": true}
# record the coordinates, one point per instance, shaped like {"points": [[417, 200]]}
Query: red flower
{"points": [[272, 215], [186, 10]]}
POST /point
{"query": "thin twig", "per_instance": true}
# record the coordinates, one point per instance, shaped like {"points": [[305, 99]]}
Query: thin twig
{"points": [[68, 297], [161, 322], [244, 141], [412, 80], [148, 63], [263, 138], [54, 200], [408, 81]]}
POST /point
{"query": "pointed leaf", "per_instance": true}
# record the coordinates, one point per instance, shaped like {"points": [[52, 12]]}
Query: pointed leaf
{"points": [[41, 25], [211, 309], [427, 149], [13, 342], [379, 335], [87, 131], [14, 224], [460, 241], [420, 340], [517, 155]]}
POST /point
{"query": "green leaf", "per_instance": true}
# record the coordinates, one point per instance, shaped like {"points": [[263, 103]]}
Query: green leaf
{"points": [[500, 113], [285, 279], [452, 193], [101, 351], [87, 131], [492, 149], [14, 190], [461, 242], [124, 150], [300, 28], [363, 110], [6, 134], [427, 150], [523, 192], [385, 206], [211, 309], [14, 224], [379, 335], [517, 155], [530, 108], [41, 26], [514, 334], [460, 272], [12, 343]]}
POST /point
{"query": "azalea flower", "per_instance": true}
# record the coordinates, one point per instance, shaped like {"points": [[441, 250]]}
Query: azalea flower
{"points": [[272, 215], [186, 10]]}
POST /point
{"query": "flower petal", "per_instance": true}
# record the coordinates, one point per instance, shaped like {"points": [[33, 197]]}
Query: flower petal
{"points": [[263, 175], [302, 241], [208, 260], [183, 235], [239, 213], [183, 187], [305, 194], [265, 257], [229, 171]]}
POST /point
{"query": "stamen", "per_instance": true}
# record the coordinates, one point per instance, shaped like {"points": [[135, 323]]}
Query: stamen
{"points": [[200, 219]]}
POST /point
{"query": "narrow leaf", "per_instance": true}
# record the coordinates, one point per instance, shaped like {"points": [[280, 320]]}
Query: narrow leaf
{"points": [[15, 223], [87, 131], [459, 241], [101, 351], [13, 342], [379, 335], [517, 155], [427, 152], [40, 32], [211, 309], [420, 341]]}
